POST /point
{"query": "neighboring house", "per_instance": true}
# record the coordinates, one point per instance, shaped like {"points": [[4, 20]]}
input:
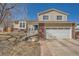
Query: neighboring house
{"points": [[6, 26], [1, 27], [19, 25], [30, 26], [53, 24]]}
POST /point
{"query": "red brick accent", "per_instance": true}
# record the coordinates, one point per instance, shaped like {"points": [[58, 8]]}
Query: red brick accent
{"points": [[42, 31], [73, 31]]}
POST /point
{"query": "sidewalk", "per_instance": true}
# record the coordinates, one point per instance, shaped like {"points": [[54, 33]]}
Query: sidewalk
{"points": [[44, 49]]}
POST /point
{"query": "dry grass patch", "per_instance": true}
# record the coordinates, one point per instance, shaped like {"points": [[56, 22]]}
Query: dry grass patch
{"points": [[26, 49], [21, 49], [10, 45]]}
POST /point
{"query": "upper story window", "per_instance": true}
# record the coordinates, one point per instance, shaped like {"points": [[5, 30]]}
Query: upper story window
{"points": [[45, 17], [59, 17]]}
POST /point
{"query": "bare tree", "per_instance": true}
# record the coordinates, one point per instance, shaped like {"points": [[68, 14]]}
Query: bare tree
{"points": [[26, 12], [5, 11], [25, 16]]}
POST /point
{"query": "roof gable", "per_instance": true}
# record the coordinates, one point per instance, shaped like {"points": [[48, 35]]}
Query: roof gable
{"points": [[50, 10]]}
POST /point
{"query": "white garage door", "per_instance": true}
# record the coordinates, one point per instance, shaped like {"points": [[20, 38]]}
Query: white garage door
{"points": [[59, 33]]}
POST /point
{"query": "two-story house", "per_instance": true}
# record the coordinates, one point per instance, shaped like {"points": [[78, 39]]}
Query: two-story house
{"points": [[53, 24]]}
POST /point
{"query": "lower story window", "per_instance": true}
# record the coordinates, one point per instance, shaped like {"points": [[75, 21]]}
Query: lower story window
{"points": [[22, 25]]}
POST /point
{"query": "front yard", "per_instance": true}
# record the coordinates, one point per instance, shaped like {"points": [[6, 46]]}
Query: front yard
{"points": [[10, 45]]}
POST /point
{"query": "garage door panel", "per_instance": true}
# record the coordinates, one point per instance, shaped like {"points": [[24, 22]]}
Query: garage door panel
{"points": [[58, 33]]}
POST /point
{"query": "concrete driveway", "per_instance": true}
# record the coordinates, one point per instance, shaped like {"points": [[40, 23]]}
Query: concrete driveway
{"points": [[60, 47]]}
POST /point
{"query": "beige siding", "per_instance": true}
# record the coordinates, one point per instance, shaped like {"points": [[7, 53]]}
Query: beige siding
{"points": [[53, 16], [16, 25], [57, 25]]}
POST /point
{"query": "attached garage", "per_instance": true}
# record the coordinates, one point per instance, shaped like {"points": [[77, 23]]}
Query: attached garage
{"points": [[59, 33], [58, 30]]}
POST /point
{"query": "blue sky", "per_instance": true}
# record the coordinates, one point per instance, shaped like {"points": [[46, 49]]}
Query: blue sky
{"points": [[34, 8]]}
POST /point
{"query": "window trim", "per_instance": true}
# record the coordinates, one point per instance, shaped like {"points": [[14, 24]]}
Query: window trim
{"points": [[22, 25]]}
